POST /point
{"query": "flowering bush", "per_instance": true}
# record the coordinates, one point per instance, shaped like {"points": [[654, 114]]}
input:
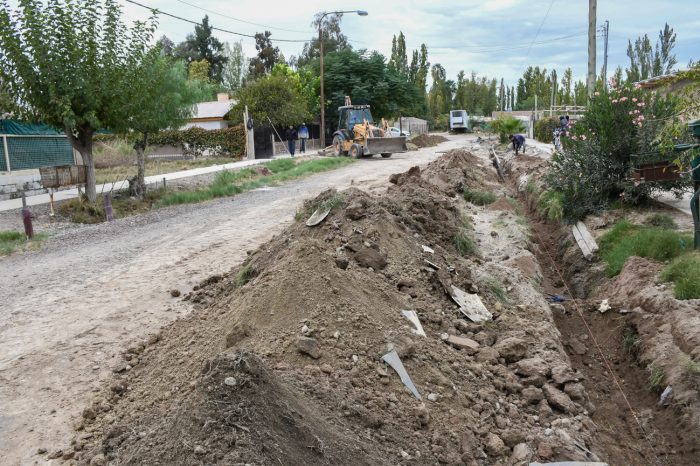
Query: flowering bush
{"points": [[595, 164]]}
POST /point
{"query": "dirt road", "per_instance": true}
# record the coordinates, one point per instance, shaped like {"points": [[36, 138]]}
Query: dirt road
{"points": [[69, 309]]}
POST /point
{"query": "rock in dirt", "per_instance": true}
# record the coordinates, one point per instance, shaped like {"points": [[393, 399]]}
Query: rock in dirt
{"points": [[308, 346], [532, 395], [355, 211], [561, 374], [575, 390], [174, 293], [558, 399], [512, 437], [487, 354], [577, 346], [512, 349], [98, 460], [494, 446], [532, 367], [368, 257], [466, 344]]}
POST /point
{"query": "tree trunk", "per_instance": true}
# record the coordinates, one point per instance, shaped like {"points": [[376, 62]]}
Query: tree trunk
{"points": [[140, 147], [81, 140]]}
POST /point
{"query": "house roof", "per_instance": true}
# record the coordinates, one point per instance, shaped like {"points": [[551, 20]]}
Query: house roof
{"points": [[659, 81], [215, 109]]}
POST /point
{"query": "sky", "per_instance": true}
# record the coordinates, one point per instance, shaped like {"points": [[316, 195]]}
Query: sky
{"points": [[496, 38]]}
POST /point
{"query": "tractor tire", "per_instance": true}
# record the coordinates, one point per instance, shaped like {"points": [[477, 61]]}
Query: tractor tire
{"points": [[337, 146], [356, 151], [386, 155]]}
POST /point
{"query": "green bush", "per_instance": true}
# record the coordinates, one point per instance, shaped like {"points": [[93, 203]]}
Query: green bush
{"points": [[477, 197], [661, 221], [464, 243], [684, 272], [505, 125], [544, 129], [626, 239], [551, 205]]}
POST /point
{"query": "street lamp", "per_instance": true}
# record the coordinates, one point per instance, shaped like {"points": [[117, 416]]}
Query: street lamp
{"points": [[320, 46]]}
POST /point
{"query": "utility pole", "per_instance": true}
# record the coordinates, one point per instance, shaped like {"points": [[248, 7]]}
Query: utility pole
{"points": [[590, 82], [322, 136], [605, 55]]}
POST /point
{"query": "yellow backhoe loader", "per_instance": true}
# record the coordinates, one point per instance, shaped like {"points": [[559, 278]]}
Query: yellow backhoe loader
{"points": [[358, 136]]}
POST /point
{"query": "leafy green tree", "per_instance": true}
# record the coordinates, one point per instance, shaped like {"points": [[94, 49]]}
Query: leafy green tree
{"points": [[333, 39], [566, 91], [398, 60], [235, 69], [198, 70], [277, 96], [203, 46], [167, 46], [66, 64], [267, 57], [647, 62], [160, 96]]}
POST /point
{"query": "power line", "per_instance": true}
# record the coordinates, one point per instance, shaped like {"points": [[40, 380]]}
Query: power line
{"points": [[158, 11], [511, 45], [540, 28], [509, 48], [242, 20]]}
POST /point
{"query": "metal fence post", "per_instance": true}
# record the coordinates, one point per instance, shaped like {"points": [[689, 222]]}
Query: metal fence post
{"points": [[7, 154], [163, 182]]}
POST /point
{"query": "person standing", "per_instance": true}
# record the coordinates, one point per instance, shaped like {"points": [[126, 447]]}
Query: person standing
{"points": [[291, 135], [303, 133]]}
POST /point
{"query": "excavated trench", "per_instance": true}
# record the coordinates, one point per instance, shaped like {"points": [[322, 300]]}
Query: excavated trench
{"points": [[632, 429]]}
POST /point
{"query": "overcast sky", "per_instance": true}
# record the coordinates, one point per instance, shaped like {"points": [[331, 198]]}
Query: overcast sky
{"points": [[498, 38]]}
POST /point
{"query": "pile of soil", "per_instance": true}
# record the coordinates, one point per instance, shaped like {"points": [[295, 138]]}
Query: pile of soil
{"points": [[427, 140], [281, 362]]}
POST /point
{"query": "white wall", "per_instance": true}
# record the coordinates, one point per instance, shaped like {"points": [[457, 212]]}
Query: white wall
{"points": [[207, 124]]}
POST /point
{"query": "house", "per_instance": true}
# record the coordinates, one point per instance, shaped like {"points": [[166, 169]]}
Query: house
{"points": [[212, 115]]}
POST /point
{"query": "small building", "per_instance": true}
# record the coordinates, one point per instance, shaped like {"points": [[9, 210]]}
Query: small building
{"points": [[212, 115]]}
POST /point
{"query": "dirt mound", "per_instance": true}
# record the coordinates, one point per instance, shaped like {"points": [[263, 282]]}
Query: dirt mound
{"points": [[428, 140], [319, 307]]}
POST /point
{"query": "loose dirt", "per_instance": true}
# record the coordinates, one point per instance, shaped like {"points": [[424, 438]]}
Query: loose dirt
{"points": [[428, 140]]}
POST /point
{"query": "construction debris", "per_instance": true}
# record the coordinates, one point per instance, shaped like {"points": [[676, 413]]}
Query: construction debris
{"points": [[471, 305], [413, 318], [392, 358], [318, 216], [585, 240]]}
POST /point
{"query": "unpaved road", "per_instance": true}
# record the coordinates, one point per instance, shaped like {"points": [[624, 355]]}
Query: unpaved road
{"points": [[68, 310]]}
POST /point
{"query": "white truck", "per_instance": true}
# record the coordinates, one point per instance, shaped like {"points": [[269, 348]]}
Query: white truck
{"points": [[459, 120]]}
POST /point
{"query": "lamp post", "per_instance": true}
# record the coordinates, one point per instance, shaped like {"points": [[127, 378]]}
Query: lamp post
{"points": [[320, 47]]}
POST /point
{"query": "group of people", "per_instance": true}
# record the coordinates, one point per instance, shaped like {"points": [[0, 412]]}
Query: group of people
{"points": [[518, 140], [293, 134]]}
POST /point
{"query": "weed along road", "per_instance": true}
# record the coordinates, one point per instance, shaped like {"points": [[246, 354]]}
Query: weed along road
{"points": [[71, 308]]}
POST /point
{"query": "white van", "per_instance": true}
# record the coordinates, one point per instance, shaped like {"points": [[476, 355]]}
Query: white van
{"points": [[459, 120]]}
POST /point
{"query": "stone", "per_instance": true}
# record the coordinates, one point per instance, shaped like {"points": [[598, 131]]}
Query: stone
{"points": [[558, 399], [41, 451], [532, 395], [521, 454], [199, 450], [512, 437], [370, 258], [326, 369], [355, 210], [98, 460], [532, 367], [118, 387], [494, 446], [556, 307], [577, 346], [575, 390], [433, 397], [174, 293], [342, 262], [544, 450], [561, 374], [512, 349], [466, 344], [308, 346], [55, 454], [89, 413], [230, 381], [487, 354]]}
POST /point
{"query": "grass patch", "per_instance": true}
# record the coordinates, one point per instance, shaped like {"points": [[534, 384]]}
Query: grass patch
{"points": [[626, 239], [660, 221], [630, 341], [108, 173], [684, 272], [231, 183], [84, 211], [244, 276], [463, 241], [656, 377], [11, 241], [497, 289], [477, 197], [516, 206]]}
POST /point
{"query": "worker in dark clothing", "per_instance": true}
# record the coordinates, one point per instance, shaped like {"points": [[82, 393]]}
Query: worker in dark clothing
{"points": [[291, 135], [303, 133], [518, 142]]}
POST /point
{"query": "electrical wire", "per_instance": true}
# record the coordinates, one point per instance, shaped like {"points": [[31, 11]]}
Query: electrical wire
{"points": [[505, 46], [158, 11], [546, 15]]}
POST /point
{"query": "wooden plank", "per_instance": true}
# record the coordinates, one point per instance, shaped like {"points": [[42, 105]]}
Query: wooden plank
{"points": [[587, 236]]}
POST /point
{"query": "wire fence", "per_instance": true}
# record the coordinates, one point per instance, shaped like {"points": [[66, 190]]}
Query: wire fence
{"points": [[21, 152]]}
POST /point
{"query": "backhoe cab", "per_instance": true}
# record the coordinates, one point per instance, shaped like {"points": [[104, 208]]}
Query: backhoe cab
{"points": [[358, 136]]}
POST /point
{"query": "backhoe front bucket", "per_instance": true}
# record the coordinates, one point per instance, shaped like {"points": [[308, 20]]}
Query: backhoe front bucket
{"points": [[390, 145]]}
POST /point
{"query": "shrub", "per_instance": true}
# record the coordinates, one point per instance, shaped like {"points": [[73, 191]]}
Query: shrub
{"points": [[464, 244], [551, 205], [479, 197], [661, 221], [684, 272], [505, 125], [544, 129]]}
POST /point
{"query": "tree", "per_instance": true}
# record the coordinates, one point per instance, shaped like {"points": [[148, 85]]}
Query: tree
{"points": [[647, 62], [160, 96], [198, 70], [235, 69], [66, 63], [203, 46], [267, 57], [167, 47], [398, 60], [333, 38], [277, 96]]}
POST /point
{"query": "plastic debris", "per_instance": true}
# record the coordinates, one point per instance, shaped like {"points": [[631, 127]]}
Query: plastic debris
{"points": [[392, 358], [470, 305], [434, 266], [427, 249], [604, 306], [555, 298], [666, 396], [317, 217], [413, 318]]}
